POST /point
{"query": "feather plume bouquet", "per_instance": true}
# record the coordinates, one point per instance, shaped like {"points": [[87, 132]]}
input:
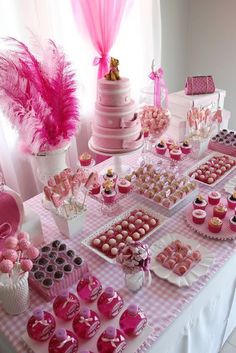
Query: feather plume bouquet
{"points": [[38, 95]]}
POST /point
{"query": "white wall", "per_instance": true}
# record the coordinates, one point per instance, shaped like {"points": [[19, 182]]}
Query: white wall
{"points": [[199, 37]]}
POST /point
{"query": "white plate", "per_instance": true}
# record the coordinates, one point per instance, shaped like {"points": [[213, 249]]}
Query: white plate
{"points": [[87, 241], [192, 275], [230, 186], [206, 159]]}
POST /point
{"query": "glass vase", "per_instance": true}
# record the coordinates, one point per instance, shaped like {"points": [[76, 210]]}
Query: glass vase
{"points": [[135, 281]]}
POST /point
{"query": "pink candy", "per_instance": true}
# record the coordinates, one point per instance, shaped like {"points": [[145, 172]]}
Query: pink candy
{"points": [[32, 252], [26, 265], [6, 266], [10, 254], [24, 244], [156, 120], [11, 242]]}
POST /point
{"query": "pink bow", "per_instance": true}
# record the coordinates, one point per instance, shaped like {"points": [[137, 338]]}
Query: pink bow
{"points": [[113, 341], [42, 322], [100, 60], [158, 78], [68, 339], [69, 300], [218, 116], [5, 230], [85, 321]]}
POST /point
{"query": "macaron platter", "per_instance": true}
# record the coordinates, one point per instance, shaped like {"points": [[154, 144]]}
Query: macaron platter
{"points": [[212, 169], [179, 260], [136, 224]]}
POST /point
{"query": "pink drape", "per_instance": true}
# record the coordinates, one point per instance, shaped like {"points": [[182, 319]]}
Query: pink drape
{"points": [[103, 18]]}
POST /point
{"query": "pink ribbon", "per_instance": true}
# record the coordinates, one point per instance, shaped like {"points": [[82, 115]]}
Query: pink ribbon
{"points": [[218, 116], [85, 321], [113, 341], [68, 339], [159, 83], [103, 62], [5, 230], [42, 322], [69, 300]]}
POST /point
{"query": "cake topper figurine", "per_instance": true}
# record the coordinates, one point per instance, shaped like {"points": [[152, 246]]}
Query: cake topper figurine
{"points": [[113, 74]]}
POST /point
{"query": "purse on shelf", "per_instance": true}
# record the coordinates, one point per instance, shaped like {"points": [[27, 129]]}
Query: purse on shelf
{"points": [[199, 85]]}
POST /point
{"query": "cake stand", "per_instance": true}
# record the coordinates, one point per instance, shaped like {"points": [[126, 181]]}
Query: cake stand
{"points": [[118, 167]]}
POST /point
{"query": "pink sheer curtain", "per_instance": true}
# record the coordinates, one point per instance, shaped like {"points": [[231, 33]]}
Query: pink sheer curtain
{"points": [[103, 18]]}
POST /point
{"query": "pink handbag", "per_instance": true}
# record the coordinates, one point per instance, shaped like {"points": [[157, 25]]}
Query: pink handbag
{"points": [[199, 85]]}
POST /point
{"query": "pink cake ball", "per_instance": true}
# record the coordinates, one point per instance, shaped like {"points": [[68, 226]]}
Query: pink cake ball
{"points": [[6, 266], [11, 242], [32, 252], [26, 265], [10, 254], [23, 235], [24, 244]]}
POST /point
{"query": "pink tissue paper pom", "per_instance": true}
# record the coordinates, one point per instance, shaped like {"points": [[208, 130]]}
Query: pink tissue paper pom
{"points": [[11, 242], [6, 266], [23, 235], [32, 252], [24, 244], [10, 254], [26, 265]]}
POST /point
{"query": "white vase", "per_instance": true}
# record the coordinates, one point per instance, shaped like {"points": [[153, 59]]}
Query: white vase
{"points": [[50, 163], [14, 297]]}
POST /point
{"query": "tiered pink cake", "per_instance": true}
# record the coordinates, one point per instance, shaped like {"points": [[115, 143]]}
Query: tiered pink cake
{"points": [[116, 128]]}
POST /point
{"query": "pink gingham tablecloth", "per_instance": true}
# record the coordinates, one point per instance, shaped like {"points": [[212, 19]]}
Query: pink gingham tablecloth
{"points": [[162, 301]]}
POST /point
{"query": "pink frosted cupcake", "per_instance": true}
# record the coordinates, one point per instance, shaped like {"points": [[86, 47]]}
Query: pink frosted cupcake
{"points": [[95, 189], [161, 148], [214, 197], [199, 203], [198, 216], [232, 223], [109, 194], [110, 175], [85, 159], [124, 186], [232, 201], [175, 154], [186, 148], [215, 225], [220, 211]]}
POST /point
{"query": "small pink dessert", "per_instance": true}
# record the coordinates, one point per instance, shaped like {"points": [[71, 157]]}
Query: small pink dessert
{"points": [[232, 201], [89, 288], [86, 323], [232, 223], [66, 305], [95, 189], [85, 159], [124, 186], [186, 148], [215, 225], [220, 211], [41, 325], [110, 175], [214, 197], [111, 341], [109, 194], [133, 321], [175, 154], [161, 148], [110, 303], [199, 216], [63, 341], [200, 203], [169, 143]]}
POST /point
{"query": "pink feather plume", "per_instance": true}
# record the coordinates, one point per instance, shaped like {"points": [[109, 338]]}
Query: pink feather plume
{"points": [[39, 98]]}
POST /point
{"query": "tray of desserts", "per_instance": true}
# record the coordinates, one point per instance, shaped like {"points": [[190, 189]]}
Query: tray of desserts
{"points": [[224, 141], [167, 190], [100, 325], [213, 216], [172, 150], [212, 169], [56, 268], [179, 260], [136, 224]]}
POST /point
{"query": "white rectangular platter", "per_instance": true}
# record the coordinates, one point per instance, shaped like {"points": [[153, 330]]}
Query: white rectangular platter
{"points": [[206, 159], [87, 241]]}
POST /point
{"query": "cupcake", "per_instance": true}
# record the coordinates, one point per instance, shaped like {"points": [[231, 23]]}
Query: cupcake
{"points": [[186, 148], [95, 189], [198, 216], [214, 197], [199, 203], [85, 159], [124, 186], [232, 201], [220, 211], [175, 153], [215, 225], [110, 175], [161, 148], [109, 194], [232, 223]]}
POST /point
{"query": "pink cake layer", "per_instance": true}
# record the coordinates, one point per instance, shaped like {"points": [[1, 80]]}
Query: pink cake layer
{"points": [[115, 117], [113, 93]]}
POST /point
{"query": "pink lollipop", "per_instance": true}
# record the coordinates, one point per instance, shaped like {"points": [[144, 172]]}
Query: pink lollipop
{"points": [[11, 242], [6, 266], [26, 265], [32, 252], [24, 244], [23, 235], [10, 254]]}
